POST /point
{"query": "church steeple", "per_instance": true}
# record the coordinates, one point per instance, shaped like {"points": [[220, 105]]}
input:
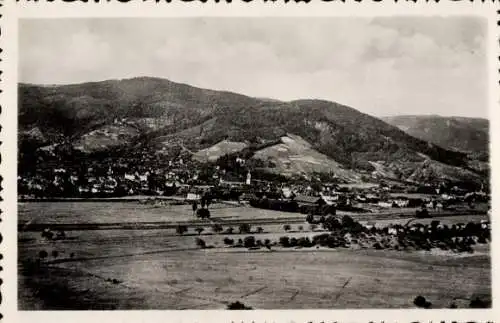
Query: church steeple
{"points": [[249, 178]]}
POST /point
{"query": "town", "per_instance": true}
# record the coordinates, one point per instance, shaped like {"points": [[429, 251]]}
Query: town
{"points": [[230, 178]]}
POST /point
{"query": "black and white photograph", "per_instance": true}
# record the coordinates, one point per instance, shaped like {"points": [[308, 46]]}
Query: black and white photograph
{"points": [[253, 163]]}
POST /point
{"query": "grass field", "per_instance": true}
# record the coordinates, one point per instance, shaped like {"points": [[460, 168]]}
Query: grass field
{"points": [[157, 269], [102, 212]]}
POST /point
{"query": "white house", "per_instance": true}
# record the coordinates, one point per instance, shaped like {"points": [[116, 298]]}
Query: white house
{"points": [[384, 204], [193, 197], [402, 202]]}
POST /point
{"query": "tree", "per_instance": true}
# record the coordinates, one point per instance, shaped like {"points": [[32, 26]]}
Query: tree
{"points": [[331, 223], [287, 227], [421, 302], [238, 306], [217, 228], [181, 229], [347, 221], [199, 230], [310, 218], [304, 242], [300, 228], [285, 241], [47, 234], [195, 206], [228, 241], [477, 302], [200, 243], [244, 228], [260, 229], [230, 230], [43, 254], [249, 242], [61, 234], [422, 213], [203, 213], [55, 253]]}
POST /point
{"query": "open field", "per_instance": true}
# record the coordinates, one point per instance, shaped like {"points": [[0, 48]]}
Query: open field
{"points": [[132, 212], [133, 215], [158, 269]]}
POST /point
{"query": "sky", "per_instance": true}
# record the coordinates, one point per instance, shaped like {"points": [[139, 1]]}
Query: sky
{"points": [[380, 66]]}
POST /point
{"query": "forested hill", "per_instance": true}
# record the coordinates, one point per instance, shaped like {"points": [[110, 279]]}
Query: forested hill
{"points": [[155, 112]]}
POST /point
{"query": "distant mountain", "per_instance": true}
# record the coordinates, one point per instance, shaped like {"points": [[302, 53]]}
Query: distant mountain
{"points": [[157, 114], [469, 135]]}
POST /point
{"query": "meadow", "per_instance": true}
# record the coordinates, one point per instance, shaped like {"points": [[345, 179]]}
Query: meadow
{"points": [[159, 269]]}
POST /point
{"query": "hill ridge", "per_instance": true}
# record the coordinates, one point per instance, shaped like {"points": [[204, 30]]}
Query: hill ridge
{"points": [[162, 112]]}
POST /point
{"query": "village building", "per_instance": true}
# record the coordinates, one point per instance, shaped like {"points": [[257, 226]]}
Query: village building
{"points": [[384, 204], [401, 202], [193, 196], [230, 180]]}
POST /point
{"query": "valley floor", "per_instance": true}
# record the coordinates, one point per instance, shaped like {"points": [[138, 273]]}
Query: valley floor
{"points": [[159, 269]]}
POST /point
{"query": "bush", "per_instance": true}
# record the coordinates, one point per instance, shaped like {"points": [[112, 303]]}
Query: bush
{"points": [[238, 306], [331, 223], [285, 241], [300, 228], [60, 235], [313, 227], [304, 242], [328, 210], [217, 228], [347, 221], [294, 242], [249, 242], [230, 230], [181, 229], [321, 239], [203, 213], [476, 302], [334, 242], [310, 218], [200, 243], [421, 302], [228, 241], [244, 228], [260, 229], [48, 234], [55, 253], [287, 227], [422, 213], [267, 242], [200, 230], [43, 254]]}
